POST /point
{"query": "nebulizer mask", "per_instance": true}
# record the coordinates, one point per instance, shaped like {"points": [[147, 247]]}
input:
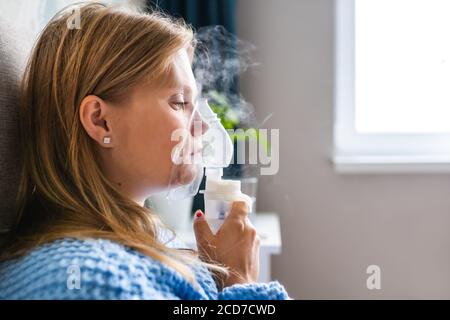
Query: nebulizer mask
{"points": [[205, 147]]}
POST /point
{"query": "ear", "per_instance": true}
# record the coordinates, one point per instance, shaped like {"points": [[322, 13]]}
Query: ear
{"points": [[94, 118]]}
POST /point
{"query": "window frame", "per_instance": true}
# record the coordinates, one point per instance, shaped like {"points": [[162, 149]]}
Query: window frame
{"points": [[365, 153]]}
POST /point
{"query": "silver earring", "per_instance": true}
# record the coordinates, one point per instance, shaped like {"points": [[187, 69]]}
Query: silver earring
{"points": [[106, 140]]}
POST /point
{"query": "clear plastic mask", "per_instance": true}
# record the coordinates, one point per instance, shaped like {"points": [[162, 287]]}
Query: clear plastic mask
{"points": [[203, 143]]}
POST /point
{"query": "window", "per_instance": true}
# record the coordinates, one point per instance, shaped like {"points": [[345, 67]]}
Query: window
{"points": [[392, 91]]}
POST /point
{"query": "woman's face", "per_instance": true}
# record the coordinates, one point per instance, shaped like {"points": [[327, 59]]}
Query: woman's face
{"points": [[138, 158]]}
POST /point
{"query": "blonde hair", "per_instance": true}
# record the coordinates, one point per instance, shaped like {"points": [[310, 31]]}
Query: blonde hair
{"points": [[63, 192]]}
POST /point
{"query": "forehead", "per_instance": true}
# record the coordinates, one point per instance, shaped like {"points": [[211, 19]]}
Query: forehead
{"points": [[180, 76]]}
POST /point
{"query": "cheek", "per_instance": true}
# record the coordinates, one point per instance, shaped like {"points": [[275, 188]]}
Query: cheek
{"points": [[146, 146], [153, 144], [162, 133]]}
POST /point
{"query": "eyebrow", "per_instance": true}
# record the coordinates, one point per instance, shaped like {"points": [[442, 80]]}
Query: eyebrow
{"points": [[184, 89]]}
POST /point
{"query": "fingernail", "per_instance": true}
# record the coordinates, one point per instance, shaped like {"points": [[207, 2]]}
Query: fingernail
{"points": [[198, 214]]}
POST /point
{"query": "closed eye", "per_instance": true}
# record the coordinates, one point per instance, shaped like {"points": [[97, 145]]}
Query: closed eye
{"points": [[180, 105]]}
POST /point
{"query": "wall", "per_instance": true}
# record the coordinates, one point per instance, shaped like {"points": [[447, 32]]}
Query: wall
{"points": [[334, 226]]}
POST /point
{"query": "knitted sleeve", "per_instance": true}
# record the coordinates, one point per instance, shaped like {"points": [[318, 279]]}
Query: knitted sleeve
{"points": [[86, 270], [103, 270], [100, 284], [90, 283], [254, 291]]}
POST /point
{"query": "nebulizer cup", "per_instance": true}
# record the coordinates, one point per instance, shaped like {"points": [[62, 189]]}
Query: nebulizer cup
{"points": [[216, 154]]}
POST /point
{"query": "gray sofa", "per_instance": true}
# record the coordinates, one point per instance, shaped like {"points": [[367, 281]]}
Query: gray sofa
{"points": [[14, 49]]}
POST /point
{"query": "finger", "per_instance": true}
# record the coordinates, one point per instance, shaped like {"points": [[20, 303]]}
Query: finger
{"points": [[238, 210], [203, 233]]}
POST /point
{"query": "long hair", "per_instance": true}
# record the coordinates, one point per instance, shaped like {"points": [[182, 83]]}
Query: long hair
{"points": [[62, 191]]}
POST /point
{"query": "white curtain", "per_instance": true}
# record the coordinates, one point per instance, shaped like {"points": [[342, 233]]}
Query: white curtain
{"points": [[26, 16], [31, 16]]}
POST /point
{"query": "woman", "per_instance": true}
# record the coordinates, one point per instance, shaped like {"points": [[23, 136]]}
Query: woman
{"points": [[98, 106]]}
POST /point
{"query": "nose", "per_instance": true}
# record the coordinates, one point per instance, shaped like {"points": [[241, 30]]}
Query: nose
{"points": [[199, 127]]}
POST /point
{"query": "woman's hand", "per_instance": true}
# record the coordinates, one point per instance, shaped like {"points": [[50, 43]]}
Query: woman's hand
{"points": [[236, 245]]}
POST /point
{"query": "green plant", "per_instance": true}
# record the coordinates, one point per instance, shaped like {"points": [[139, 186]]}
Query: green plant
{"points": [[229, 118]]}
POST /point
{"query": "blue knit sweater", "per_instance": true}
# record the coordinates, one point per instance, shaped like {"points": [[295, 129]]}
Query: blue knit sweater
{"points": [[102, 269]]}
